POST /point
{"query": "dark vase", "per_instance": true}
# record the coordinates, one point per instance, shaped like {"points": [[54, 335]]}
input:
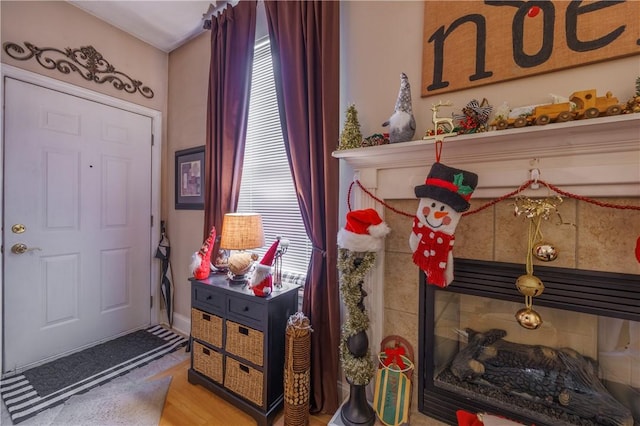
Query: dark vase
{"points": [[357, 411]]}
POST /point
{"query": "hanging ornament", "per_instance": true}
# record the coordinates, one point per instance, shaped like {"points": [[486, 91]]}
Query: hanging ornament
{"points": [[545, 251], [528, 284]]}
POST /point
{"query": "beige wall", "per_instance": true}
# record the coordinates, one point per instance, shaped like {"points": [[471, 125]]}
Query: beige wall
{"points": [[188, 85], [59, 25]]}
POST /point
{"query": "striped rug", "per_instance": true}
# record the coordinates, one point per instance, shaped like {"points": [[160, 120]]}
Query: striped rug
{"points": [[40, 388]]}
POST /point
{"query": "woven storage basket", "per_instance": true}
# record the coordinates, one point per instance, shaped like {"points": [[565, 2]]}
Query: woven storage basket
{"points": [[207, 361], [245, 342], [297, 366], [206, 327], [243, 380]]}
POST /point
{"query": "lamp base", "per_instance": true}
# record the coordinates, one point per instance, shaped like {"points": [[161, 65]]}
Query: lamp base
{"points": [[238, 280]]}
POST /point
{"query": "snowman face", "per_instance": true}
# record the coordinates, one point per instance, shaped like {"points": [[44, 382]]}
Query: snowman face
{"points": [[437, 215]]}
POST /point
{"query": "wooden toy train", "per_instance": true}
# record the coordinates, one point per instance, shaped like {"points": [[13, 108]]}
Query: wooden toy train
{"points": [[582, 104]]}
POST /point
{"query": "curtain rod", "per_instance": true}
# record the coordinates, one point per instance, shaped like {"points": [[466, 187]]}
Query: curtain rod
{"points": [[215, 8]]}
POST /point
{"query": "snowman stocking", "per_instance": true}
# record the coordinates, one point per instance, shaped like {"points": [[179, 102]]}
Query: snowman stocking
{"points": [[443, 198]]}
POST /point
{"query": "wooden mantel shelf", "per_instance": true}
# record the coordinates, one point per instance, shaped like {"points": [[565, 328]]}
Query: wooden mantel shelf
{"points": [[619, 133], [590, 157]]}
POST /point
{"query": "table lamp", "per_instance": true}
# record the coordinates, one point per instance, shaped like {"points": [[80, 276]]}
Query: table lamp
{"points": [[240, 232]]}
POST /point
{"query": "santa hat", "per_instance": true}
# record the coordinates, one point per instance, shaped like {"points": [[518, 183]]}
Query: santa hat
{"points": [[262, 280], [450, 186], [364, 231]]}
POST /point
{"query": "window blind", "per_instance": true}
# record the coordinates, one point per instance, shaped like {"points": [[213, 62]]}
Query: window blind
{"points": [[267, 186]]}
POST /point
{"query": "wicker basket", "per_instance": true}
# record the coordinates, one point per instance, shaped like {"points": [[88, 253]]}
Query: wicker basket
{"points": [[243, 380], [207, 361], [206, 327], [245, 342], [297, 367]]}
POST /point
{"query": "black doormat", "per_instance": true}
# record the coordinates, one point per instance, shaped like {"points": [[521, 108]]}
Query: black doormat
{"points": [[45, 386]]}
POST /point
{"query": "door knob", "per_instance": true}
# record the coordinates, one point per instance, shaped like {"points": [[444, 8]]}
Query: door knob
{"points": [[20, 248]]}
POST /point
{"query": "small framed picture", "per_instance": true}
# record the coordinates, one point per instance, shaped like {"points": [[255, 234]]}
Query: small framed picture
{"points": [[190, 179]]}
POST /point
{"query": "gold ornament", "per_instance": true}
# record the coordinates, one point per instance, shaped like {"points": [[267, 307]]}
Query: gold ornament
{"points": [[528, 318], [529, 285], [545, 252]]}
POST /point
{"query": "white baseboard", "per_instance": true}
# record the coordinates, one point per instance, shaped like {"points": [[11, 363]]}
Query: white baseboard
{"points": [[181, 324]]}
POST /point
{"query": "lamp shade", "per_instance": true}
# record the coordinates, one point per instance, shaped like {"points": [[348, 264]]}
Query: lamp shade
{"points": [[241, 231]]}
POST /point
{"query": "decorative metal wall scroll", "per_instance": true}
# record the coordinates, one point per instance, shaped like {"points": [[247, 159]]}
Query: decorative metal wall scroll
{"points": [[86, 61]]}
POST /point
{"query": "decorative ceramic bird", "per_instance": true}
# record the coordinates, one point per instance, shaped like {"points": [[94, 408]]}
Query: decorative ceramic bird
{"points": [[402, 124]]}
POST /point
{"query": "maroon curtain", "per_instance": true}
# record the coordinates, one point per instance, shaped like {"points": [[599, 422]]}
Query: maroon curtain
{"points": [[232, 43], [305, 48]]}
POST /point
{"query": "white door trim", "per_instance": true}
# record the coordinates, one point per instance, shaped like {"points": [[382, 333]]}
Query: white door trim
{"points": [[156, 157]]}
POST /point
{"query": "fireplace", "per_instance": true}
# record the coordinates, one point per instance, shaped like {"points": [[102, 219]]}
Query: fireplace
{"points": [[595, 158], [595, 314]]}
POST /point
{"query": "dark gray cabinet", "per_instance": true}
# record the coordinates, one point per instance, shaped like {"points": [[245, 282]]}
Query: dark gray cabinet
{"points": [[237, 344]]}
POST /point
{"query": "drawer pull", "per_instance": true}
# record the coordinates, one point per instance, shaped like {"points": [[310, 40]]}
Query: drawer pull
{"points": [[243, 330], [246, 309], [206, 317], [209, 297], [206, 351], [244, 368]]}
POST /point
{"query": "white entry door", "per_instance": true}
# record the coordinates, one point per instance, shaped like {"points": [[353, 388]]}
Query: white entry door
{"points": [[76, 226]]}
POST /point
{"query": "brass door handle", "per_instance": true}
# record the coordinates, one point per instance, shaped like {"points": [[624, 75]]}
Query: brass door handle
{"points": [[21, 248]]}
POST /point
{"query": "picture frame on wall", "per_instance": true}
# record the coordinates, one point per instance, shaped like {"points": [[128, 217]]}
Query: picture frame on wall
{"points": [[189, 179]]}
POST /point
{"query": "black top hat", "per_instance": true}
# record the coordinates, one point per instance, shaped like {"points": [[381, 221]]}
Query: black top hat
{"points": [[450, 186]]}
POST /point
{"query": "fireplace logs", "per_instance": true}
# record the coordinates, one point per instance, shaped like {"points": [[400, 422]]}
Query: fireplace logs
{"points": [[558, 377]]}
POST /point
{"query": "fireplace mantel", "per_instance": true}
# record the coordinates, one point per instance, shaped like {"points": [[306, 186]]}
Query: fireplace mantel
{"points": [[591, 157]]}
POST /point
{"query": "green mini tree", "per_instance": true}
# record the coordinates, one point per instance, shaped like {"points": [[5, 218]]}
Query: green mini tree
{"points": [[351, 136]]}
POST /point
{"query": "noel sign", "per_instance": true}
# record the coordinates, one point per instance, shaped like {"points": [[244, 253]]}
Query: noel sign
{"points": [[473, 43]]}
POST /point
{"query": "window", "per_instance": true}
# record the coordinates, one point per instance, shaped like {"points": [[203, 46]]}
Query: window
{"points": [[267, 186]]}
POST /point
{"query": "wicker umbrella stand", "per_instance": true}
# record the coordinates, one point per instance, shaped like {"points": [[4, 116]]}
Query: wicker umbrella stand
{"points": [[297, 370]]}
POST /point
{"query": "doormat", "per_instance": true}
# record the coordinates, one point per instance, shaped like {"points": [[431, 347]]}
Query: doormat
{"points": [[45, 386]]}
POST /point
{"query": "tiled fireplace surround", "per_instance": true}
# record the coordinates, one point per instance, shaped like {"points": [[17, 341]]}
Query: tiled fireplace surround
{"points": [[596, 158]]}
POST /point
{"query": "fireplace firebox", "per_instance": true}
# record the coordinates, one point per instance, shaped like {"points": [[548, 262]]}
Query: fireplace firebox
{"points": [[581, 367]]}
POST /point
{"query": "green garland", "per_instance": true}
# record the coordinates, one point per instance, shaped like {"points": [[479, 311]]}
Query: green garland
{"points": [[353, 266]]}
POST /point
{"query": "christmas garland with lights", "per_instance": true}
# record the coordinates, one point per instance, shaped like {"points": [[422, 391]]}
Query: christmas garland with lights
{"points": [[353, 266]]}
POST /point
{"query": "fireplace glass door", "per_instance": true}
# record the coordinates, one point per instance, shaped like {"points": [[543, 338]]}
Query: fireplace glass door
{"points": [[580, 367]]}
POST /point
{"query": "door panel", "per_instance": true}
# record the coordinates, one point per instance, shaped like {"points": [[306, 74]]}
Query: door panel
{"points": [[77, 175]]}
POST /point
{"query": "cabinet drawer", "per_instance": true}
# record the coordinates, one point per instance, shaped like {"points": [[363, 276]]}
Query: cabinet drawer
{"points": [[246, 308], [207, 361], [243, 380], [206, 327], [208, 298], [245, 342]]}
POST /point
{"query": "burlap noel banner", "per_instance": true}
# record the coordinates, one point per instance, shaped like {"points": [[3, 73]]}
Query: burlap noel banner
{"points": [[473, 43]]}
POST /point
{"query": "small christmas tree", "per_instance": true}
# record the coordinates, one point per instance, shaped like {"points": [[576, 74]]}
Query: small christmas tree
{"points": [[351, 136], [633, 104]]}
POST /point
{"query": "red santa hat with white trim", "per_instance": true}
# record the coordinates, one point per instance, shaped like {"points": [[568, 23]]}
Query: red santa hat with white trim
{"points": [[363, 232], [262, 280]]}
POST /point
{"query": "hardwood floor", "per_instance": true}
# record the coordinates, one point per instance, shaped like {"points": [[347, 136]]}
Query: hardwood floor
{"points": [[192, 405]]}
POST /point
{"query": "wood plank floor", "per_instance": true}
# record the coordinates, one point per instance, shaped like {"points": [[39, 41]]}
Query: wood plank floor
{"points": [[193, 405]]}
